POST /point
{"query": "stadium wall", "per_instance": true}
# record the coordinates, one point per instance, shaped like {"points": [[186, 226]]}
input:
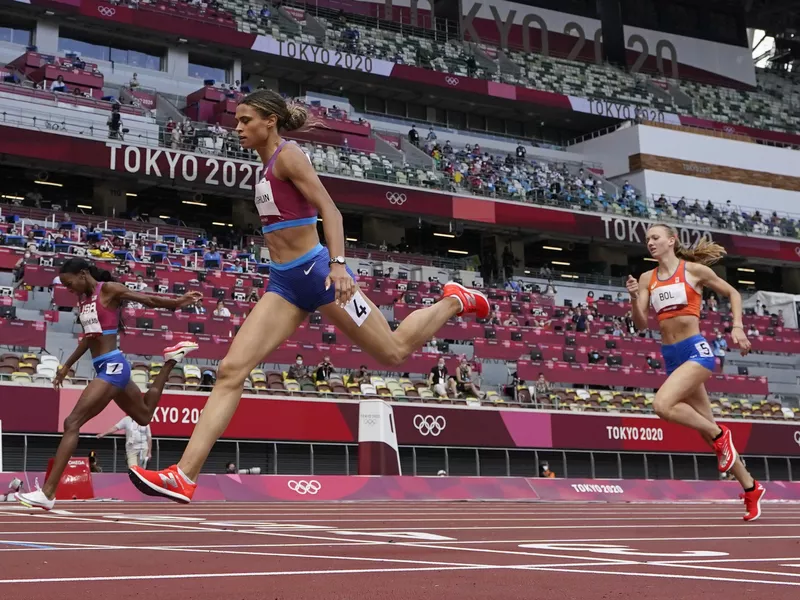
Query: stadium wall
{"points": [[309, 488]]}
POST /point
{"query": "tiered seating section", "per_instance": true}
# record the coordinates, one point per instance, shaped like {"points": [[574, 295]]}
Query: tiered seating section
{"points": [[32, 75], [29, 368], [543, 343], [582, 79]]}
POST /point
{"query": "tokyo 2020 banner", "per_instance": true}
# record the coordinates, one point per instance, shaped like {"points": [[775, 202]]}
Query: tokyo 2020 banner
{"points": [[43, 410], [235, 177]]}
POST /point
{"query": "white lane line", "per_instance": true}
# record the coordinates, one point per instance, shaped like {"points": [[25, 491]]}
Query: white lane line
{"points": [[732, 570], [579, 569]]}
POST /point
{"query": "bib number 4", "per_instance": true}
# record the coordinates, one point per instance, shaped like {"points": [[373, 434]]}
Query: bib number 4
{"points": [[358, 309]]}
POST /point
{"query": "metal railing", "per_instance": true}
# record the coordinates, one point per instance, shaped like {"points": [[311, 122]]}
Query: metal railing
{"points": [[30, 452]]}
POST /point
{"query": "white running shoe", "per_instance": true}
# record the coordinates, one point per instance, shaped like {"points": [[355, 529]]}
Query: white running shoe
{"points": [[35, 499], [179, 351]]}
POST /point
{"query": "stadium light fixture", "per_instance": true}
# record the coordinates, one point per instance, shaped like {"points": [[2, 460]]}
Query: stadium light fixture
{"points": [[746, 270], [560, 263], [458, 252], [349, 239], [745, 282], [554, 248], [443, 235], [219, 224], [131, 195], [53, 183], [86, 206], [193, 203]]}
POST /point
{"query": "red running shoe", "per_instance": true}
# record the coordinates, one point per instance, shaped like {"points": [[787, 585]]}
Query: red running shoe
{"points": [[752, 502], [168, 483], [726, 453], [472, 301]]}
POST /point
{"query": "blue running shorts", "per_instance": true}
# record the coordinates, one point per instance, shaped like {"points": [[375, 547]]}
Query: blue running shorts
{"points": [[695, 349], [302, 281], [113, 368]]}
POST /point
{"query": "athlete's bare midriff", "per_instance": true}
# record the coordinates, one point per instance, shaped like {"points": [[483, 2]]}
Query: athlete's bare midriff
{"points": [[286, 245], [102, 344], [678, 329]]}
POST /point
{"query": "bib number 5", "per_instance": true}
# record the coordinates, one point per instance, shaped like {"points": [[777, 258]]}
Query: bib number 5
{"points": [[703, 349]]}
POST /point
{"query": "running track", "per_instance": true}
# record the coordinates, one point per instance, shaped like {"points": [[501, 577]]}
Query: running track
{"points": [[398, 550]]}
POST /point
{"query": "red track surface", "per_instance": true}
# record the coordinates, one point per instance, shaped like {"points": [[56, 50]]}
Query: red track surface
{"points": [[398, 551]]}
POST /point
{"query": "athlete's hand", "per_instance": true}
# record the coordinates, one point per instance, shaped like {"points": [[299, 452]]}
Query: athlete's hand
{"points": [[633, 287], [343, 284], [61, 374], [189, 299], [740, 339]]}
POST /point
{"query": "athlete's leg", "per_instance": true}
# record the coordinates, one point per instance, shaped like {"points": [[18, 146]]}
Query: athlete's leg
{"points": [[670, 404], [389, 347], [142, 407], [272, 321], [700, 403], [93, 400]]}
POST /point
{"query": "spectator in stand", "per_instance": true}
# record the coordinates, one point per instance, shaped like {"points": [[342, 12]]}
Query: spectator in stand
{"points": [[590, 299], [546, 472], [720, 348], [413, 136], [266, 14], [212, 259], [360, 376], [511, 321], [199, 308], [541, 387], [324, 369], [752, 331], [134, 82], [431, 137], [115, 123], [251, 15], [581, 321], [58, 85], [299, 371], [221, 310], [464, 382], [141, 285], [439, 382], [521, 153], [432, 347]]}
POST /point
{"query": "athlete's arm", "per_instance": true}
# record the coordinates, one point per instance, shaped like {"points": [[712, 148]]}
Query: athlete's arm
{"points": [[707, 277], [117, 293], [293, 164], [640, 300]]}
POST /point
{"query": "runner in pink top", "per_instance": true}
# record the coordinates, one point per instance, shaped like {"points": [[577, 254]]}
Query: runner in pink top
{"points": [[100, 307], [304, 276]]}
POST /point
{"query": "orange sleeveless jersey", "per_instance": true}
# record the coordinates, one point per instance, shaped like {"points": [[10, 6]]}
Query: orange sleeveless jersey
{"points": [[674, 297]]}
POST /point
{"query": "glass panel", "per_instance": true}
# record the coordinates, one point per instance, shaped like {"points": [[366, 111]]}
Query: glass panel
{"points": [[204, 72]]}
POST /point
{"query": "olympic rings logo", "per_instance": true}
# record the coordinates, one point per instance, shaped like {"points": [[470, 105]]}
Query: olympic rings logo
{"points": [[429, 425], [797, 437], [452, 81], [396, 198], [107, 11], [303, 487]]}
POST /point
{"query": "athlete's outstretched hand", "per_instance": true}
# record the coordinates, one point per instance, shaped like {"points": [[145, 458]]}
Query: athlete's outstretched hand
{"points": [[343, 284], [633, 286], [189, 299], [61, 374], [740, 339]]}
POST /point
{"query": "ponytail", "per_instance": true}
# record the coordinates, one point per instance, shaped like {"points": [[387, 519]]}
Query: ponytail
{"points": [[100, 274], [704, 252]]}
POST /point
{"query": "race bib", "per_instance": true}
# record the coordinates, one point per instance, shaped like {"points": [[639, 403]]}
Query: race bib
{"points": [[669, 297], [358, 309], [89, 319], [265, 201]]}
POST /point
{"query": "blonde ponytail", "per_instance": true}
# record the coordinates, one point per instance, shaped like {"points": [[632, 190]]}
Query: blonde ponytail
{"points": [[704, 252]]}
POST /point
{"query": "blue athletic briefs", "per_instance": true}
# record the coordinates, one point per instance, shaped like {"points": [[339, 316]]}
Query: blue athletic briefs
{"points": [[695, 349]]}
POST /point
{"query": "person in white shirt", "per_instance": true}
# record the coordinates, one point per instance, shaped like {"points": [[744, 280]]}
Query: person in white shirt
{"points": [[138, 441], [221, 310]]}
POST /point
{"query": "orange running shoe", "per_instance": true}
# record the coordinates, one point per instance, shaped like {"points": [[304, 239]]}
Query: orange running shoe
{"points": [[472, 301], [752, 502], [168, 483], [726, 453]]}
